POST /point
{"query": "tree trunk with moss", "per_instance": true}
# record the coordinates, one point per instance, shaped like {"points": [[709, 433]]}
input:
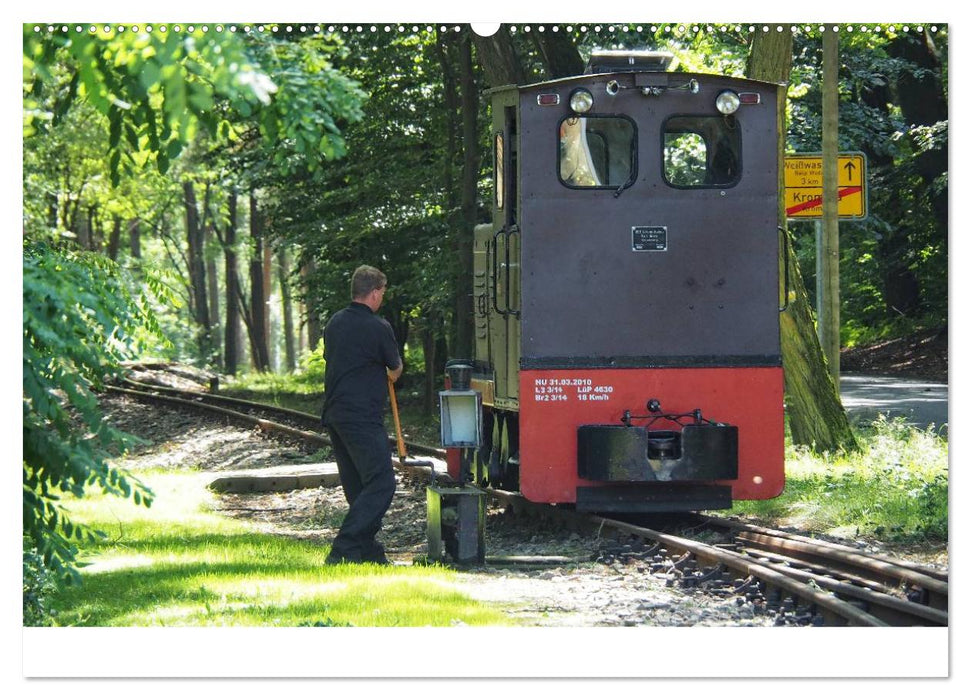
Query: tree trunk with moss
{"points": [[816, 415], [498, 59]]}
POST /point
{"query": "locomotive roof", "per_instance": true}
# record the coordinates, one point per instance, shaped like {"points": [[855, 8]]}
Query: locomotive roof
{"points": [[589, 76]]}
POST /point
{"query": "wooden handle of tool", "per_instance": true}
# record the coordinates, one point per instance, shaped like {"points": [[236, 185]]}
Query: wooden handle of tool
{"points": [[397, 422]]}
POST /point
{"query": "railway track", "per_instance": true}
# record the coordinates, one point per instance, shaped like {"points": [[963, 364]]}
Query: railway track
{"points": [[812, 581], [270, 419]]}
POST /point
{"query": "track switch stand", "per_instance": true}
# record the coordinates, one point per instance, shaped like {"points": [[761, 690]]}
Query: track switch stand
{"points": [[456, 514]]}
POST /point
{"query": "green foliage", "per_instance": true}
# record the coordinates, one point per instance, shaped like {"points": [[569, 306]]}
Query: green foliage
{"points": [[115, 120], [302, 126], [393, 200], [155, 88], [38, 585], [894, 489], [893, 108], [79, 320], [313, 365]]}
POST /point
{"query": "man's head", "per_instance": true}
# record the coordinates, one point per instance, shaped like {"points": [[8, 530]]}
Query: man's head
{"points": [[368, 285]]}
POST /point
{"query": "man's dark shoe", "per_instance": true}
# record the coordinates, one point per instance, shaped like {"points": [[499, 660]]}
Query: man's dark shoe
{"points": [[338, 558], [374, 554]]}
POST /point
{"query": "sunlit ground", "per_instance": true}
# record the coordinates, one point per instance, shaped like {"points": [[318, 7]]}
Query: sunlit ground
{"points": [[179, 563]]}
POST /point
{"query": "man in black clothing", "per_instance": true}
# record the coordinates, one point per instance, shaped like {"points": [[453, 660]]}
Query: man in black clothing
{"points": [[361, 353]]}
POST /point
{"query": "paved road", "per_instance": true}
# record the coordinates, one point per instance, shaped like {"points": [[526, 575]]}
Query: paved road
{"points": [[923, 403]]}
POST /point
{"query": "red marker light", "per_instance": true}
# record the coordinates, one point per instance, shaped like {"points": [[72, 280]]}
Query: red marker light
{"points": [[548, 99], [750, 98]]}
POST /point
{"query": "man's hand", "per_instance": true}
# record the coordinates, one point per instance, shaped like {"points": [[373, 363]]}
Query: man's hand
{"points": [[395, 373]]}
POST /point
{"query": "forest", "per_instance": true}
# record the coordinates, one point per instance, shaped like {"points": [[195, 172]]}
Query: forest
{"points": [[203, 193]]}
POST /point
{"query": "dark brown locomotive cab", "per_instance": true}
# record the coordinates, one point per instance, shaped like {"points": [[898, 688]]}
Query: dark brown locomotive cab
{"points": [[633, 254]]}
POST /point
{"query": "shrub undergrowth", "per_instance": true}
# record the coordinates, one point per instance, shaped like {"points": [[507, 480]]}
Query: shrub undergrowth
{"points": [[895, 488]]}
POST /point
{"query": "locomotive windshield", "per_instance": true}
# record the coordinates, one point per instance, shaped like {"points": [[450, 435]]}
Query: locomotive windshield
{"points": [[596, 151], [702, 151]]}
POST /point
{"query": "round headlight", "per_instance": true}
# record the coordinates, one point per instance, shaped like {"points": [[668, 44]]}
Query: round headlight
{"points": [[581, 100], [727, 102]]}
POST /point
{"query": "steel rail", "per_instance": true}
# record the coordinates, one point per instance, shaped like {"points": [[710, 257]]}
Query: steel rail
{"points": [[889, 608], [736, 525], [851, 563], [201, 398], [262, 423], [231, 400]]}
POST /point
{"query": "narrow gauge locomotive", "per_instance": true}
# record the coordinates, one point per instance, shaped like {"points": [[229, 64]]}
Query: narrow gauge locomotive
{"points": [[627, 291]]}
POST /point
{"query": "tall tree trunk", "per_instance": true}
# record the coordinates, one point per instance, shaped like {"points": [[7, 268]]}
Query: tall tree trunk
{"points": [[231, 339], [398, 318], [84, 231], [257, 325], [114, 241], [52, 210], [302, 345], [288, 344], [94, 240], [444, 46], [560, 56], [470, 179], [498, 59], [446, 50], [429, 344], [197, 269], [816, 416], [72, 212], [267, 295], [315, 331], [135, 238], [212, 281]]}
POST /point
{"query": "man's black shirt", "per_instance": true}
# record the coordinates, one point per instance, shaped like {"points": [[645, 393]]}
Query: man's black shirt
{"points": [[359, 348]]}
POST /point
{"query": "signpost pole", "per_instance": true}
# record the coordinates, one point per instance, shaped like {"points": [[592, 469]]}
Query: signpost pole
{"points": [[828, 280], [818, 226]]}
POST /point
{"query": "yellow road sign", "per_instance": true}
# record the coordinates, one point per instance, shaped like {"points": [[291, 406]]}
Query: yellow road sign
{"points": [[804, 186]]}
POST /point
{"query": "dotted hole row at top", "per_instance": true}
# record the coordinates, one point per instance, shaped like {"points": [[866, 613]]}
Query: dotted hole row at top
{"points": [[512, 29]]}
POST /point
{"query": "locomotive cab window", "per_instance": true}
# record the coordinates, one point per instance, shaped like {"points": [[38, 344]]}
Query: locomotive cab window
{"points": [[596, 151], [702, 151]]}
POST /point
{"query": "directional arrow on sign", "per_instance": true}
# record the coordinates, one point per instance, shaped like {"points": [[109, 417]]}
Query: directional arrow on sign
{"points": [[850, 167]]}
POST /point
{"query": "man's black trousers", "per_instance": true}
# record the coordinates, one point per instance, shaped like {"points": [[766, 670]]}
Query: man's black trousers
{"points": [[363, 457]]}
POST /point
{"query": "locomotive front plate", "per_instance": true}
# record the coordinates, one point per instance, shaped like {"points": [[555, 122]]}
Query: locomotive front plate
{"points": [[649, 238]]}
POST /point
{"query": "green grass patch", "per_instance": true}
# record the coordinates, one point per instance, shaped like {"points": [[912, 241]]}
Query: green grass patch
{"points": [[894, 489], [179, 563]]}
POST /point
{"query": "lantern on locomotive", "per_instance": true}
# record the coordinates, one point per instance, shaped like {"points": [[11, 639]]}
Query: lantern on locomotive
{"points": [[627, 292]]}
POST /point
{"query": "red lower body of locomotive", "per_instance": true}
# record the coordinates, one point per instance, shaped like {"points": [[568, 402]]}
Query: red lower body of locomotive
{"points": [[649, 439]]}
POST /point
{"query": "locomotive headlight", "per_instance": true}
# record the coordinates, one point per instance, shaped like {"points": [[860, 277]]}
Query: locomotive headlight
{"points": [[581, 100], [727, 102]]}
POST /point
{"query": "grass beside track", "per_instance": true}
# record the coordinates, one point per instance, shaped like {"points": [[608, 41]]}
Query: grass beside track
{"points": [[895, 489], [179, 563]]}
